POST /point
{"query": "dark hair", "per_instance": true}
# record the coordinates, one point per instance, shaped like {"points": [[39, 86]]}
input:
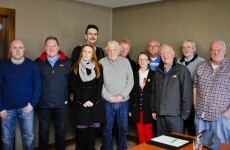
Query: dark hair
{"points": [[52, 38], [91, 26]]}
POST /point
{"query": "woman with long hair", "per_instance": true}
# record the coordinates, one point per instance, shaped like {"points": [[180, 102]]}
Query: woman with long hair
{"points": [[87, 113]]}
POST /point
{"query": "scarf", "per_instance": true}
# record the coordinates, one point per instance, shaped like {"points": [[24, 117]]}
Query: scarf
{"points": [[82, 70]]}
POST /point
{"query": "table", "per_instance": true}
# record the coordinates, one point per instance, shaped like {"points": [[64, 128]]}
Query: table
{"points": [[146, 146]]}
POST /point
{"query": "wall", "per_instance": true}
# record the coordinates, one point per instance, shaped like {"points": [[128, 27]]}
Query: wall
{"points": [[65, 19], [173, 21]]}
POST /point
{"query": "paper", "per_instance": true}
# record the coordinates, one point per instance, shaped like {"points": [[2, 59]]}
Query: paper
{"points": [[170, 140]]}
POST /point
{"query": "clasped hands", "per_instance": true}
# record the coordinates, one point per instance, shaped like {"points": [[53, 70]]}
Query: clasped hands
{"points": [[116, 99]]}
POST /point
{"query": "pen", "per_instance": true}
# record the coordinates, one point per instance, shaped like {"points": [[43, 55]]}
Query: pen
{"points": [[173, 140]]}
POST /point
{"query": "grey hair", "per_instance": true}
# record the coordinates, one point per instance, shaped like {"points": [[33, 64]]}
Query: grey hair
{"points": [[117, 45], [193, 43], [170, 47]]}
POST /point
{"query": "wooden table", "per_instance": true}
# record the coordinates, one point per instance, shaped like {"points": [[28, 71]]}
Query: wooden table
{"points": [[146, 146]]}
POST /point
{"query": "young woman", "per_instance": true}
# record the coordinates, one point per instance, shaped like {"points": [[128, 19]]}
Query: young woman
{"points": [[140, 100], [86, 80]]}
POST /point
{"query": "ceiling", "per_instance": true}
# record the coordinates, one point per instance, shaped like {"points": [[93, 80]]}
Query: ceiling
{"points": [[116, 3]]}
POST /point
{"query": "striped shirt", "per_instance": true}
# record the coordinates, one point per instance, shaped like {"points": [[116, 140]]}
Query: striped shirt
{"points": [[213, 90]]}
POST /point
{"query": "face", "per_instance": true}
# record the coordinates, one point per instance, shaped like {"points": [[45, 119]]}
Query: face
{"points": [[167, 55], [17, 49], [91, 36], [51, 48], [125, 49], [153, 48], [217, 52], [188, 49], [87, 53], [113, 53], [143, 61]]}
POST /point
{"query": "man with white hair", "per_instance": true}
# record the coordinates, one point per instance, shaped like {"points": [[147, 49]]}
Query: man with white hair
{"points": [[211, 93], [118, 83], [172, 99]]}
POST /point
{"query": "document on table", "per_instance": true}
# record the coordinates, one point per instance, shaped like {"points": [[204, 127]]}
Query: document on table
{"points": [[170, 140]]}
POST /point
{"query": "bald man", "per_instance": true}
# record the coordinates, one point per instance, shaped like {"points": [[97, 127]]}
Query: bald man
{"points": [[20, 87], [153, 49], [172, 93], [211, 93]]}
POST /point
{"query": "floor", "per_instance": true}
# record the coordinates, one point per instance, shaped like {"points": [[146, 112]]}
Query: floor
{"points": [[99, 143]]}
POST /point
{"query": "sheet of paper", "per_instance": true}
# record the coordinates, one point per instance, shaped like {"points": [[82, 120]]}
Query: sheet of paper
{"points": [[170, 140]]}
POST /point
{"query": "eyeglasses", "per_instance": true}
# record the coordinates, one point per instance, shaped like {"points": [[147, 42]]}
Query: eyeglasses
{"points": [[153, 46], [143, 60]]}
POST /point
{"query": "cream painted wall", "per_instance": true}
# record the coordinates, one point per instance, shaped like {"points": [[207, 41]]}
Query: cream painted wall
{"points": [[173, 21], [65, 19]]}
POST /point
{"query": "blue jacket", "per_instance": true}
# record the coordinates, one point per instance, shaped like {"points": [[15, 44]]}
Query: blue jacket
{"points": [[19, 84], [54, 81]]}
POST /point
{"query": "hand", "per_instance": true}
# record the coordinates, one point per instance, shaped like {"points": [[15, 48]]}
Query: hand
{"points": [[227, 113], [154, 115], [112, 99], [130, 114], [3, 114], [71, 97], [27, 109], [118, 98], [88, 104]]}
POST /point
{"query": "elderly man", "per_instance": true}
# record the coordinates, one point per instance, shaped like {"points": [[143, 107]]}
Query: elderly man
{"points": [[153, 49], [172, 88], [20, 87], [211, 93], [118, 83]]}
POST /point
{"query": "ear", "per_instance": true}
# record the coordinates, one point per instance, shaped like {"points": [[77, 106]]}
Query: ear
{"points": [[85, 36]]}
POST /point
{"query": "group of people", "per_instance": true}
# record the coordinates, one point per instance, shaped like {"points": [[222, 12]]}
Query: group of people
{"points": [[160, 93]]}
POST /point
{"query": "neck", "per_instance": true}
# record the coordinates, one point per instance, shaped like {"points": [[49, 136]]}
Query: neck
{"points": [[18, 61], [143, 69], [154, 55], [189, 57]]}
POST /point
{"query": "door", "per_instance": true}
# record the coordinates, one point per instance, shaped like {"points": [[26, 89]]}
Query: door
{"points": [[7, 31], [7, 34]]}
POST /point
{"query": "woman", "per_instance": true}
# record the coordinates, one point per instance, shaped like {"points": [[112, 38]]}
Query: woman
{"points": [[86, 80], [190, 59], [140, 100]]}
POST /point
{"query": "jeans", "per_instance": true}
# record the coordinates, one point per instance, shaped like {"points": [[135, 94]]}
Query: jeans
{"points": [[168, 124], [45, 116], [120, 111], [220, 127], [26, 125]]}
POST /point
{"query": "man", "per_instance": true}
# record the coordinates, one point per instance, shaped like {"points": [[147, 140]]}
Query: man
{"points": [[153, 49], [118, 83], [211, 93], [172, 99], [91, 35], [190, 59], [54, 68], [20, 87], [125, 49]]}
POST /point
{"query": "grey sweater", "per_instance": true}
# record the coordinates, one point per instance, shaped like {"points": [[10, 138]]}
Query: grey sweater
{"points": [[118, 78]]}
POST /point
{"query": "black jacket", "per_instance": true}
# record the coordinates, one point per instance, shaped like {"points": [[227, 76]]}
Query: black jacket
{"points": [[134, 104], [55, 91], [84, 91], [172, 94], [77, 50]]}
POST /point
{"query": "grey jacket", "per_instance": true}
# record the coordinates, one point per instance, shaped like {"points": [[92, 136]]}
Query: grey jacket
{"points": [[172, 93]]}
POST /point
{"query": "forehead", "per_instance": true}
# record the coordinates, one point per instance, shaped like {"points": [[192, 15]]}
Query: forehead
{"points": [[123, 44], [217, 45], [187, 43], [112, 46], [143, 56], [17, 43], [51, 42], [91, 30], [153, 43], [88, 48]]}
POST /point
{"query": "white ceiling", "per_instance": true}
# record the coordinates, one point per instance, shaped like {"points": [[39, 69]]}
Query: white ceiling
{"points": [[116, 3]]}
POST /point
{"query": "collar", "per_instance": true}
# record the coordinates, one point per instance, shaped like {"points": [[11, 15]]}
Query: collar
{"points": [[44, 58]]}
